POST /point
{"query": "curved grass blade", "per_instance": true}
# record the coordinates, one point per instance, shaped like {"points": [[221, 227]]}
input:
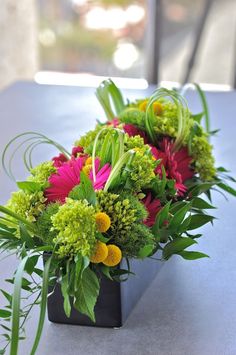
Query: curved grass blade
{"points": [[16, 307], [43, 305]]}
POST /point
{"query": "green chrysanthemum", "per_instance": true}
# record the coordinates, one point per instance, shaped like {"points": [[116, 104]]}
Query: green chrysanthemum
{"points": [[42, 172], [27, 205], [75, 226]]}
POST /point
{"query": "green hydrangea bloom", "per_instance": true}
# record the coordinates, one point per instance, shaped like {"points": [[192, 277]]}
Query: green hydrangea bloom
{"points": [[142, 170], [75, 226], [87, 140], [133, 116], [44, 223], [27, 205], [42, 172], [203, 158], [134, 240]]}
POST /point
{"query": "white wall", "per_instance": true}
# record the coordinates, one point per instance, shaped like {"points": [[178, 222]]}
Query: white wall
{"points": [[18, 40]]}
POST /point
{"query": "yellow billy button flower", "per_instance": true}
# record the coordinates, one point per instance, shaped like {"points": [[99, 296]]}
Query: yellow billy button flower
{"points": [[88, 161], [86, 169], [114, 255], [100, 253], [103, 222], [157, 107]]}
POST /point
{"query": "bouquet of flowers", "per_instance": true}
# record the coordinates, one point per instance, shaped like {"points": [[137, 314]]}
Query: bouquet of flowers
{"points": [[130, 188]]}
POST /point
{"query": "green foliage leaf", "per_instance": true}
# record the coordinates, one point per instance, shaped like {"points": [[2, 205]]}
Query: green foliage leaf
{"points": [[84, 191], [199, 220], [65, 291], [192, 255], [178, 217], [16, 307], [227, 188], [176, 246], [4, 313], [29, 186], [201, 204], [31, 263], [145, 251], [87, 293], [26, 237], [43, 305]]}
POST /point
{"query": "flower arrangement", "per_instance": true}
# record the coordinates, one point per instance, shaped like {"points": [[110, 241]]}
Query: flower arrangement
{"points": [[130, 188]]}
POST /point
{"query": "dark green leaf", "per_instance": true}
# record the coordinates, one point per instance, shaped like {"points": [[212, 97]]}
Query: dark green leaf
{"points": [[106, 271], [201, 204], [87, 293], [192, 255], [4, 313], [177, 245], [199, 220], [26, 237], [6, 295], [178, 217], [227, 188], [65, 291], [31, 263]]}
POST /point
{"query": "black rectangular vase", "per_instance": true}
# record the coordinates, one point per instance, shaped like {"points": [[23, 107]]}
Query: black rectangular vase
{"points": [[115, 301]]}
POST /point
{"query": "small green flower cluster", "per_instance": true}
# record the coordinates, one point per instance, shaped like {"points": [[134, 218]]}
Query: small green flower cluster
{"points": [[135, 142], [44, 223], [138, 237], [127, 214], [75, 226], [27, 205], [86, 141], [204, 160], [42, 172], [167, 123], [142, 170]]}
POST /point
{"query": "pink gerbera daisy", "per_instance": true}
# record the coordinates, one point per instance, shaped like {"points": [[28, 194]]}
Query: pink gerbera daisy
{"points": [[68, 176], [176, 164], [153, 206]]}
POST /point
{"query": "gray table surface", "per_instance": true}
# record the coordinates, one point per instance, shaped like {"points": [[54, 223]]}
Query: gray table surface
{"points": [[191, 306]]}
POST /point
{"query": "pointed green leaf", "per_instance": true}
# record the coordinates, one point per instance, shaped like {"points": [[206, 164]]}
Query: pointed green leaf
{"points": [[87, 294], [177, 245], [192, 255], [199, 220]]}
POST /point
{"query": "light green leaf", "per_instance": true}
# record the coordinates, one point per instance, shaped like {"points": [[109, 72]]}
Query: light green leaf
{"points": [[84, 191], [16, 307], [29, 186], [43, 305], [145, 251]]}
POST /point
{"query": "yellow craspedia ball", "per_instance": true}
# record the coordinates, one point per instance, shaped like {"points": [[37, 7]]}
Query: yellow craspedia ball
{"points": [[100, 253], [88, 161], [157, 108], [143, 105], [114, 255], [86, 169], [103, 222]]}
